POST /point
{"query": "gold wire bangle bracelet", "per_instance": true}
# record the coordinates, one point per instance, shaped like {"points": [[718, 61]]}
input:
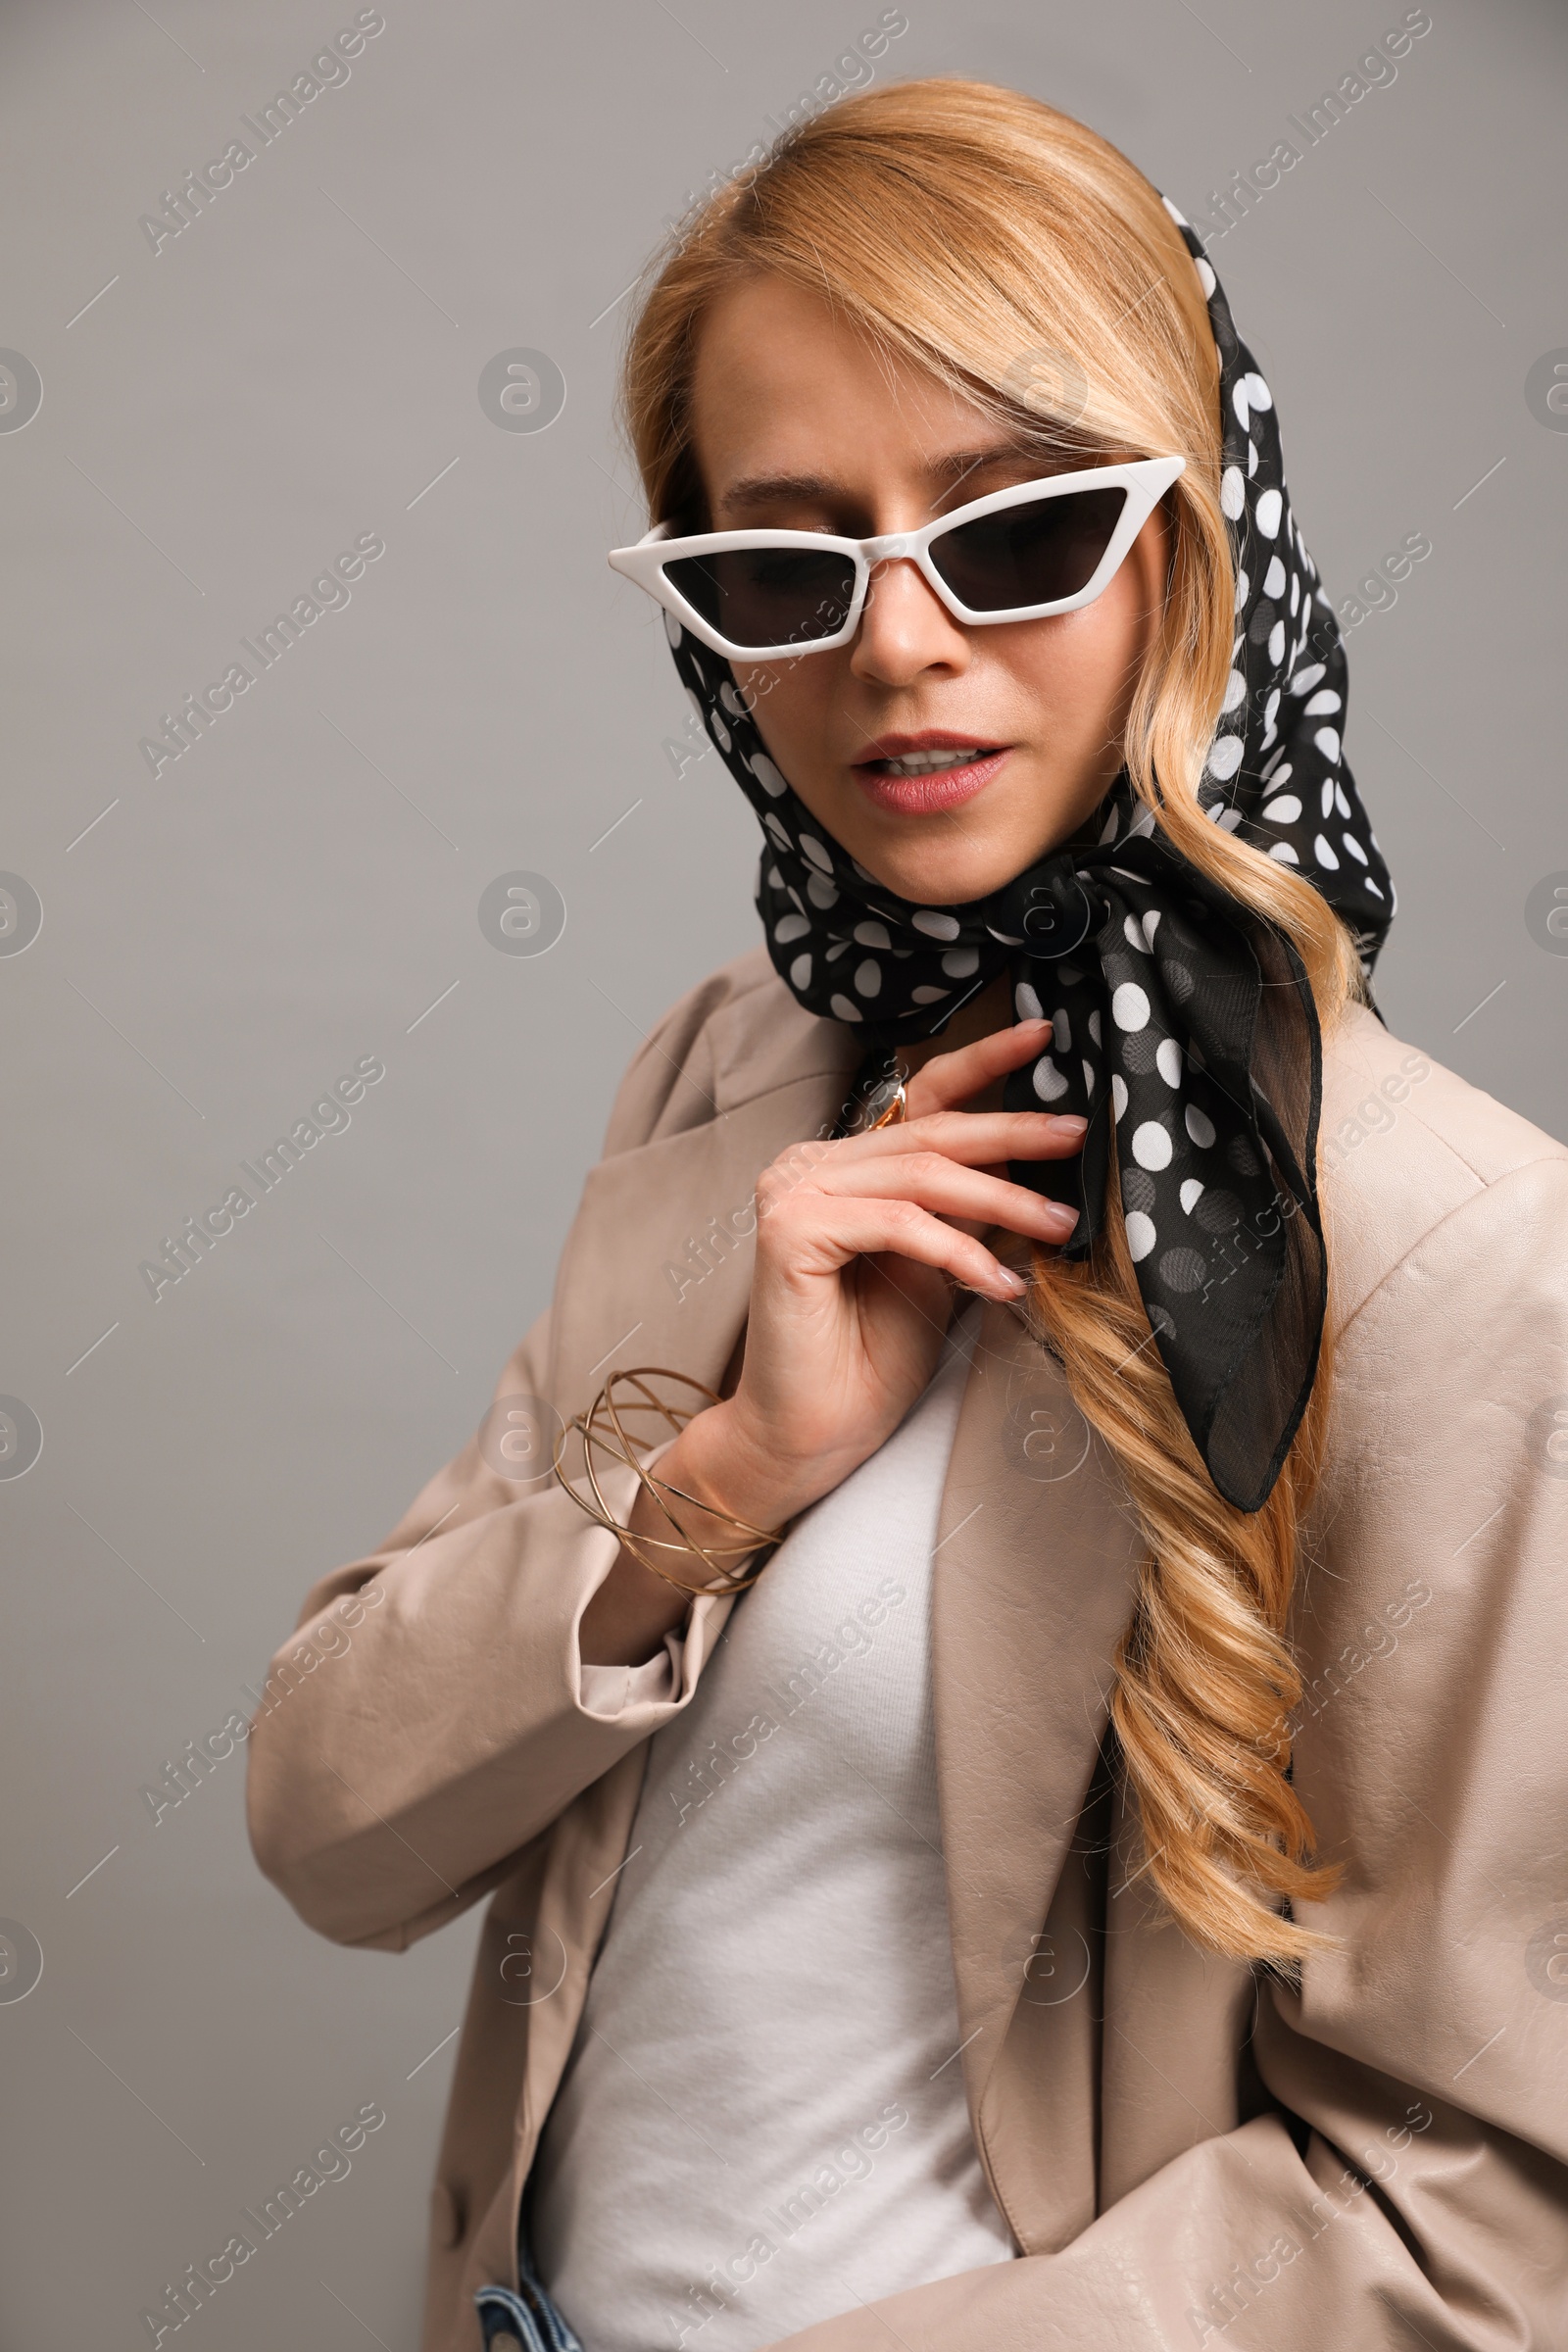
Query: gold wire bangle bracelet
{"points": [[601, 1428]]}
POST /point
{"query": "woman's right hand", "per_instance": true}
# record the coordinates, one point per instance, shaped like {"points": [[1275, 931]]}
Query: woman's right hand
{"points": [[856, 1243]]}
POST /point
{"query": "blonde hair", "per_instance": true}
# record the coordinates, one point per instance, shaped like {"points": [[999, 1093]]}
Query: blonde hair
{"points": [[1018, 256]]}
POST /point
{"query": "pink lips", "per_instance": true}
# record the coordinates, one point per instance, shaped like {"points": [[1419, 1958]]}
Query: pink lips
{"points": [[926, 796]]}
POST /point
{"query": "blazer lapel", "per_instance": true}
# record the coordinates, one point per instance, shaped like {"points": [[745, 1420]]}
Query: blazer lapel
{"points": [[1033, 1583], [636, 1291], [658, 1266]]}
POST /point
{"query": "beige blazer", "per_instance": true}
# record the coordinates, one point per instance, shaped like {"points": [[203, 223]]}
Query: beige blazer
{"points": [[1186, 2154]]}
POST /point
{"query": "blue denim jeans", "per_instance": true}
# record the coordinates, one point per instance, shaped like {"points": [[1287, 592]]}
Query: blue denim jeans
{"points": [[527, 2318]]}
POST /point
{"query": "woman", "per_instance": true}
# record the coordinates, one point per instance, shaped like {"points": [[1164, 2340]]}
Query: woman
{"points": [[1100, 1886]]}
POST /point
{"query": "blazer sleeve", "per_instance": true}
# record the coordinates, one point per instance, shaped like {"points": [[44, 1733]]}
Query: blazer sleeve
{"points": [[431, 1715], [1409, 2192]]}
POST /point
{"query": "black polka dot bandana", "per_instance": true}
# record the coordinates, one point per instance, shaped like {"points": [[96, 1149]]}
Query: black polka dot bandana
{"points": [[1183, 1027]]}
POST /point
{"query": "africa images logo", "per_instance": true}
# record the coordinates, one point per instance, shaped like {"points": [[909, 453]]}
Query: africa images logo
{"points": [[182, 1252], [198, 714]]}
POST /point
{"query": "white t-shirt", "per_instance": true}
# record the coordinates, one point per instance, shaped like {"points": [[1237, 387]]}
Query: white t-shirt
{"points": [[764, 2120]]}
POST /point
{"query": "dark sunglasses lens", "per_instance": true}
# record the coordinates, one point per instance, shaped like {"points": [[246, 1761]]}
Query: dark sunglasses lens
{"points": [[768, 595], [1035, 553]]}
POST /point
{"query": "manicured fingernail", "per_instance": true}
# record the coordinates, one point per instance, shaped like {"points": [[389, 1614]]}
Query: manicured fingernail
{"points": [[1008, 1284], [1070, 1123]]}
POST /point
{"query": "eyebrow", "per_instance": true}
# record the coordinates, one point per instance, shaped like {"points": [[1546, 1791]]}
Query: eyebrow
{"points": [[943, 474]]}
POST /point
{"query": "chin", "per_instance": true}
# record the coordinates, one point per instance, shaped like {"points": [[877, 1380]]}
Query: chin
{"points": [[930, 875]]}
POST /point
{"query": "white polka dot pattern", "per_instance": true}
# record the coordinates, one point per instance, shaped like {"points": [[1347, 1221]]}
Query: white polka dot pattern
{"points": [[1287, 643]]}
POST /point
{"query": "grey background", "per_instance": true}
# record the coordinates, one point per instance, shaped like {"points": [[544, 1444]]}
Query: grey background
{"points": [[299, 889]]}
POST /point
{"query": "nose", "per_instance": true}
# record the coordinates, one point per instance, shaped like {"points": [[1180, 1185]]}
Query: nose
{"points": [[905, 629]]}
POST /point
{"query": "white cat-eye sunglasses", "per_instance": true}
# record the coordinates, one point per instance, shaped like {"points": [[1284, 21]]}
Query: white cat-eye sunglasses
{"points": [[1042, 547]]}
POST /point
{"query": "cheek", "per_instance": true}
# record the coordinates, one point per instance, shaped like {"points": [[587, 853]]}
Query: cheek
{"points": [[1079, 666], [792, 708]]}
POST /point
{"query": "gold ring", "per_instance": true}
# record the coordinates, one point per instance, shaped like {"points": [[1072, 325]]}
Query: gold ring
{"points": [[896, 1113]]}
